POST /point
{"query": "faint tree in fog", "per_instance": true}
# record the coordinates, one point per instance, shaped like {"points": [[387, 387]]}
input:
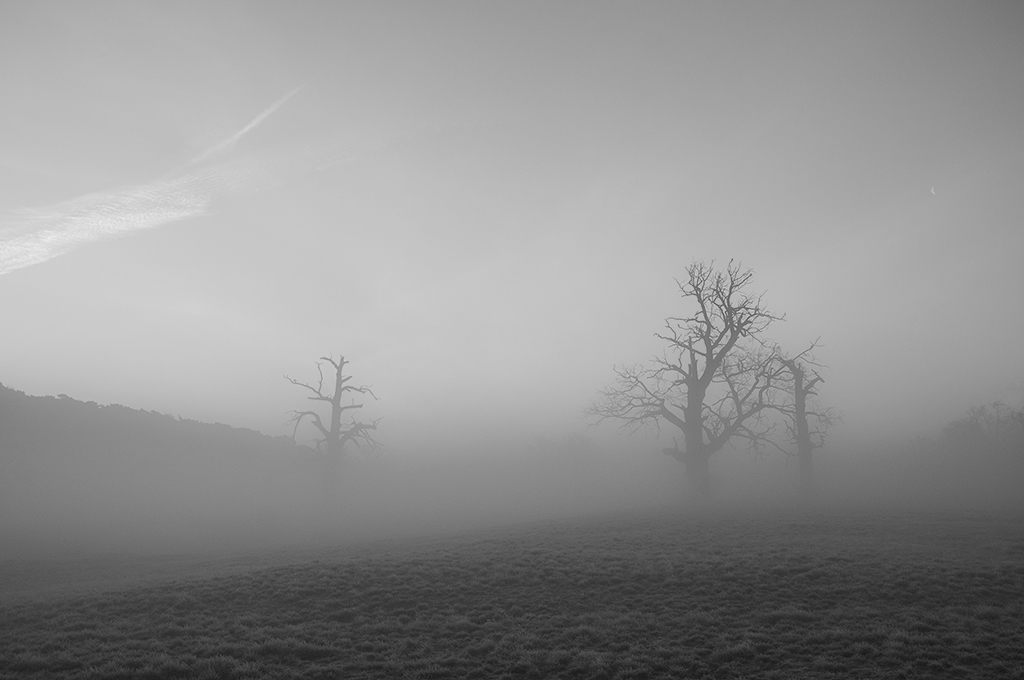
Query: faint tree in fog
{"points": [[982, 453], [714, 378], [987, 429], [806, 422], [343, 427]]}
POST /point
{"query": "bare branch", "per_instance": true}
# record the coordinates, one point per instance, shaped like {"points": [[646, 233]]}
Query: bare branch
{"points": [[297, 417], [318, 394]]}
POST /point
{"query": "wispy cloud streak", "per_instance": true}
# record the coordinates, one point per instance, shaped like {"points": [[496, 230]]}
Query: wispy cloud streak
{"points": [[38, 235], [233, 139], [34, 235]]}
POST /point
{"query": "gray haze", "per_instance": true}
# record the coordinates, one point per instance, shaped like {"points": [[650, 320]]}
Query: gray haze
{"points": [[483, 206], [86, 479]]}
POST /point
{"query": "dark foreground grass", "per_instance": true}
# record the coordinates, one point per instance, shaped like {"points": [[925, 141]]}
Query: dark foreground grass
{"points": [[638, 597]]}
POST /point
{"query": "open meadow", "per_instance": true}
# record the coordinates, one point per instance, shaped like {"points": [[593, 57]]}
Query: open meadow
{"points": [[779, 594]]}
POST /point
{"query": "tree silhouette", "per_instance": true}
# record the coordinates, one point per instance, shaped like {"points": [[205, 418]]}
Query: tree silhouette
{"points": [[342, 429], [806, 422], [714, 378], [987, 429]]}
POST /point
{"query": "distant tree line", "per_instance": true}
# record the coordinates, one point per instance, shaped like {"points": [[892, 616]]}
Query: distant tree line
{"points": [[990, 431]]}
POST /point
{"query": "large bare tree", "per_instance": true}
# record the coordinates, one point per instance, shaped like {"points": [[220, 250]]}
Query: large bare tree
{"points": [[713, 380], [343, 426]]}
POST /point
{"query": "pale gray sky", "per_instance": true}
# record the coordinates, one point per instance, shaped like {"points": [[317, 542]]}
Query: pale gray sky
{"points": [[483, 205]]}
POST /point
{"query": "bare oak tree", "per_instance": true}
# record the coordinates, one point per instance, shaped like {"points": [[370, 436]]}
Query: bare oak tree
{"points": [[714, 378], [341, 429], [806, 422]]}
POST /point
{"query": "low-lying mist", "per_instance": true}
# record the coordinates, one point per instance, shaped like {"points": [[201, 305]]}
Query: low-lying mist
{"points": [[168, 504], [84, 479]]}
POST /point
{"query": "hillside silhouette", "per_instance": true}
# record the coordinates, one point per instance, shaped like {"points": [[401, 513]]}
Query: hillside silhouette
{"points": [[68, 467]]}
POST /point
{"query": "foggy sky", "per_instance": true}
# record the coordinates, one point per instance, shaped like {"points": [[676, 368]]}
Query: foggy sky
{"points": [[483, 205]]}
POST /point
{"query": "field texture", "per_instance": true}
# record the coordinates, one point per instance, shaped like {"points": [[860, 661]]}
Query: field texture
{"points": [[780, 596]]}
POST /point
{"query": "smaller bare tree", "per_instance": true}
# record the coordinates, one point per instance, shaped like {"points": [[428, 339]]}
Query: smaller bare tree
{"points": [[806, 422], [340, 431]]}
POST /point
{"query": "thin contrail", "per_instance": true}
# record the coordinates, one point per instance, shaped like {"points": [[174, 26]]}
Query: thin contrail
{"points": [[34, 235], [233, 139], [30, 236]]}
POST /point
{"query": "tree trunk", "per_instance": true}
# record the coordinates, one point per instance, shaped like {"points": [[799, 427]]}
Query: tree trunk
{"points": [[698, 473], [804, 447], [806, 473], [330, 476], [698, 476]]}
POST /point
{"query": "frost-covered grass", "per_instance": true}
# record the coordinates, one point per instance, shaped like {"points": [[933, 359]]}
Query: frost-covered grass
{"points": [[782, 596]]}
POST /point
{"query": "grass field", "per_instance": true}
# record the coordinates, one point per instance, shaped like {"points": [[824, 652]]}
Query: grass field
{"points": [[783, 595]]}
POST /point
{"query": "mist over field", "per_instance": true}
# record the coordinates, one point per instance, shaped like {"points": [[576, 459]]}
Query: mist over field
{"points": [[83, 480]]}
